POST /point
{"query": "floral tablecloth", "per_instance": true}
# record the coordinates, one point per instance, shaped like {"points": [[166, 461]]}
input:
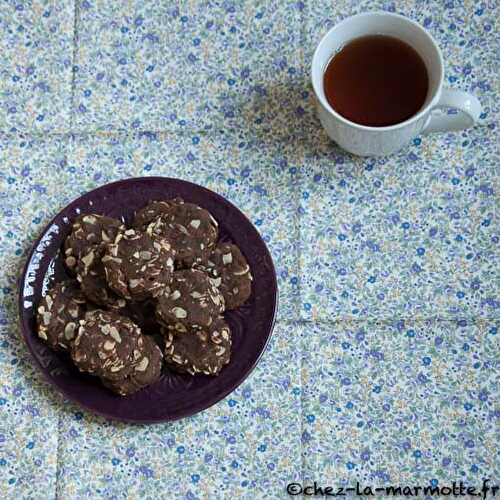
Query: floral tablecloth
{"points": [[383, 366]]}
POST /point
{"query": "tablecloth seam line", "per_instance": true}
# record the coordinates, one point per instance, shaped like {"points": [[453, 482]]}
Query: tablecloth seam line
{"points": [[296, 297], [302, 456], [305, 130], [297, 306], [74, 61], [58, 456], [395, 319], [302, 322], [34, 134]]}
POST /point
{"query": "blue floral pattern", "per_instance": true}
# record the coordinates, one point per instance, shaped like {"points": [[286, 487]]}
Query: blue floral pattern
{"points": [[383, 367], [400, 402], [36, 65], [192, 66], [410, 236]]}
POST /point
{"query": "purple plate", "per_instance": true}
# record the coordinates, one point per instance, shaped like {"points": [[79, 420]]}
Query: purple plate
{"points": [[173, 396]]}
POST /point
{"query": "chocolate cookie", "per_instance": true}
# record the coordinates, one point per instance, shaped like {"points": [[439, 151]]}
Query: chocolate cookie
{"points": [[107, 345], [199, 351], [146, 371], [190, 229], [92, 279], [230, 273], [190, 301], [87, 231], [151, 212], [137, 266], [59, 313]]}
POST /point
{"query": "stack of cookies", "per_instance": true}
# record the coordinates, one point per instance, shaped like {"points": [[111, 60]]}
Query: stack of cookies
{"points": [[168, 261]]}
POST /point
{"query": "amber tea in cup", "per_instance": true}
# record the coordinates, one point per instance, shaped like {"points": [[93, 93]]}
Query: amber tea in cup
{"points": [[376, 80]]}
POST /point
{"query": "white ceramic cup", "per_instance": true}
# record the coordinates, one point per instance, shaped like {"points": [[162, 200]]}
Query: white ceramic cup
{"points": [[432, 117]]}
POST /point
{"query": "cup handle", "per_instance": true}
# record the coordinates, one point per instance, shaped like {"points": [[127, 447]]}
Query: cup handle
{"points": [[467, 107]]}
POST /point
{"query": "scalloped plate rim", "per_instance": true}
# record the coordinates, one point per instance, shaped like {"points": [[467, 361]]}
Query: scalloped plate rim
{"points": [[25, 331]]}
